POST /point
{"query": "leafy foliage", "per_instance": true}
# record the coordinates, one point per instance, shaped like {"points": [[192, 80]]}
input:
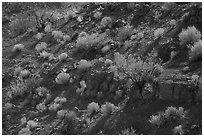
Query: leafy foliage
{"points": [[189, 35]]}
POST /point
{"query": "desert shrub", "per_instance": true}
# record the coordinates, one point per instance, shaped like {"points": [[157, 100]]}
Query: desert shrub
{"points": [[108, 108], [8, 106], [196, 51], [62, 56], [129, 131], [62, 113], [93, 107], [41, 107], [169, 5], [32, 124], [178, 130], [57, 34], [124, 33], [97, 15], [60, 100], [39, 35], [70, 14], [25, 131], [105, 49], [18, 88], [173, 23], [90, 41], [82, 34], [135, 69], [21, 25], [48, 28], [54, 106], [42, 91], [171, 114], [66, 38], [24, 73], [189, 35], [45, 54], [62, 78], [18, 47], [106, 22], [41, 46], [84, 64], [158, 32]]}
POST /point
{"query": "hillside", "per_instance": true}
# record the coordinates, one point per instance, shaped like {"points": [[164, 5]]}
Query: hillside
{"points": [[102, 68]]}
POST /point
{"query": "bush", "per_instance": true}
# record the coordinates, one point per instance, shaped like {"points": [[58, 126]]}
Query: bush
{"points": [[62, 56], [45, 54], [62, 78], [129, 131], [41, 46], [196, 51], [158, 32], [106, 22], [62, 113], [171, 114], [136, 70], [86, 41], [57, 34], [173, 23], [18, 47], [93, 107], [25, 131], [107, 108], [24, 73], [178, 130], [189, 35], [39, 36], [66, 38], [21, 25], [84, 64], [41, 107], [124, 33], [97, 15]]}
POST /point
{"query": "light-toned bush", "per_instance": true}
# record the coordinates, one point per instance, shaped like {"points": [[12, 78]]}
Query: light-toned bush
{"points": [[158, 32], [196, 51], [93, 107], [39, 35], [173, 23], [107, 108], [107, 22], [66, 38], [24, 73], [54, 106], [41, 107], [18, 47], [90, 41], [178, 130], [156, 120], [57, 34], [62, 56], [124, 33], [42, 91], [25, 131], [62, 78], [105, 49], [97, 15], [45, 54], [108, 62], [82, 34], [31, 124], [48, 28], [17, 71], [79, 18], [60, 100], [8, 106], [41, 46], [129, 131], [84, 64], [23, 120], [70, 14], [135, 69], [189, 35], [62, 113]]}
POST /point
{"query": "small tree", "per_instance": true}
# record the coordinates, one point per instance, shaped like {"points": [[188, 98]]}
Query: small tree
{"points": [[136, 70]]}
